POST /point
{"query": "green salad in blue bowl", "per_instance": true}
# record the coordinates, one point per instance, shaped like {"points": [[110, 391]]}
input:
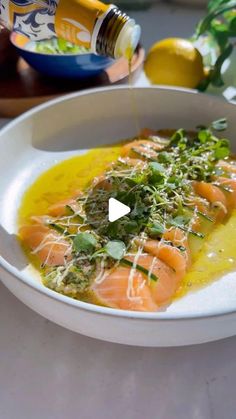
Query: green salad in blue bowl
{"points": [[59, 58]]}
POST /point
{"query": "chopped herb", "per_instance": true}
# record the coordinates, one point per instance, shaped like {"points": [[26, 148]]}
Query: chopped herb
{"points": [[58, 228], [77, 277], [69, 210], [84, 242], [141, 269]]}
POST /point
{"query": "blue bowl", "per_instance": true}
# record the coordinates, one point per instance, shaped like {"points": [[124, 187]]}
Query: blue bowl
{"points": [[70, 66]]}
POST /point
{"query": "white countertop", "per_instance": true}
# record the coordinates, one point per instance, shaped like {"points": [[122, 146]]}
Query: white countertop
{"points": [[48, 372]]}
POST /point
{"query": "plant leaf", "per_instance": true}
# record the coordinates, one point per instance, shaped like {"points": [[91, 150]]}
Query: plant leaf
{"points": [[180, 220], [84, 242], [219, 124], [205, 24], [156, 229], [213, 4], [232, 27], [215, 76], [221, 153], [204, 135], [156, 167], [115, 249]]}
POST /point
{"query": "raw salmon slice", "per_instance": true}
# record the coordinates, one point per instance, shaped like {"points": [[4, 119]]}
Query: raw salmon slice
{"points": [[102, 182], [230, 194], [164, 288], [171, 255], [229, 167], [213, 195], [147, 147], [120, 289], [46, 243], [137, 163], [200, 208], [113, 291], [61, 208]]}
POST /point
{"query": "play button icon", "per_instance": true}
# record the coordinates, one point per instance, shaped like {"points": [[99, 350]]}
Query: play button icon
{"points": [[117, 210]]}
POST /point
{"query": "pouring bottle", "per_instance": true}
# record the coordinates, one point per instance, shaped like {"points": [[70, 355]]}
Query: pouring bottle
{"points": [[102, 28]]}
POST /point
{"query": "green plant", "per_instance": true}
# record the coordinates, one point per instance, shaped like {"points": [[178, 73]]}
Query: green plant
{"points": [[220, 26]]}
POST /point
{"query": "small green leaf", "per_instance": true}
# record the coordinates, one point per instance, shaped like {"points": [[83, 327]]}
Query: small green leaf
{"points": [[137, 179], [156, 229], [156, 167], [219, 124], [115, 249], [204, 135], [156, 178], [220, 33], [113, 230], [84, 242], [180, 220], [177, 136], [131, 226], [205, 24], [232, 27], [164, 157], [157, 173], [221, 153]]}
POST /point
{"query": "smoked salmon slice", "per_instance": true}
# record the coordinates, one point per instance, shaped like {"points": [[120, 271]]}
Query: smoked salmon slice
{"points": [[169, 254], [214, 195], [229, 190], [61, 208], [137, 163], [113, 291], [142, 148], [229, 167], [123, 289], [46, 243]]}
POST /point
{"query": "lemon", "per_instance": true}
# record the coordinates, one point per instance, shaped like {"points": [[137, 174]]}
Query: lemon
{"points": [[175, 62]]}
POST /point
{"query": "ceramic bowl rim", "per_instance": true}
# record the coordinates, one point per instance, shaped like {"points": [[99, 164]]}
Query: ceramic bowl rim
{"points": [[77, 304]]}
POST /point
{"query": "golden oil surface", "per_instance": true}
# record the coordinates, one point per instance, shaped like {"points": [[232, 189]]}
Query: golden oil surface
{"points": [[64, 179]]}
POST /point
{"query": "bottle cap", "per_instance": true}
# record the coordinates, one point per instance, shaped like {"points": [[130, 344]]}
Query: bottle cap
{"points": [[127, 40]]}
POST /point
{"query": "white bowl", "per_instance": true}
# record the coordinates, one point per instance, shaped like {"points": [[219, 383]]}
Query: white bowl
{"points": [[68, 126]]}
